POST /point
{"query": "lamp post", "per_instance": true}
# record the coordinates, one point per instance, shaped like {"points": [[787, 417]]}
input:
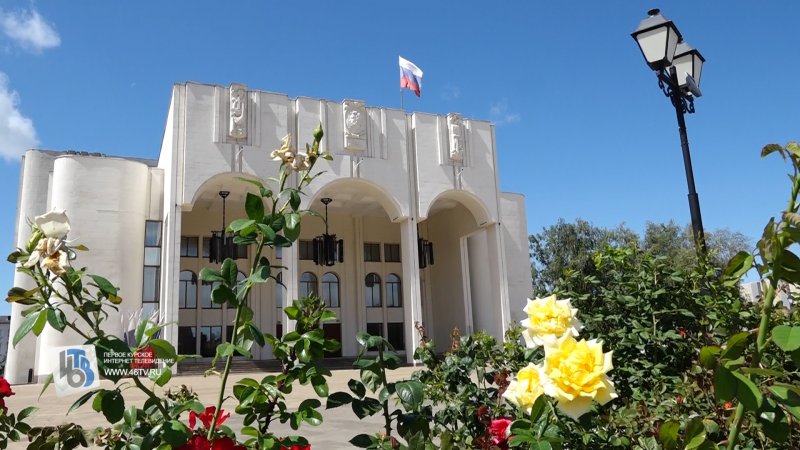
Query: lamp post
{"points": [[678, 68]]}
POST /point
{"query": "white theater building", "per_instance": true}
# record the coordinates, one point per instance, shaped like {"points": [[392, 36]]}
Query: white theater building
{"points": [[396, 178]]}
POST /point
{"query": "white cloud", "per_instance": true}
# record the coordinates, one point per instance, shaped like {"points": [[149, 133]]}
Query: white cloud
{"points": [[29, 30], [499, 113], [17, 133]]}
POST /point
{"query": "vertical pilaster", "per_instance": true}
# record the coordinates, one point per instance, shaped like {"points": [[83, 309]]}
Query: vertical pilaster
{"points": [[412, 303], [497, 266], [291, 259]]}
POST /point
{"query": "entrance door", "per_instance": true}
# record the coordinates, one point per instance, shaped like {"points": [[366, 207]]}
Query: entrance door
{"points": [[333, 331]]}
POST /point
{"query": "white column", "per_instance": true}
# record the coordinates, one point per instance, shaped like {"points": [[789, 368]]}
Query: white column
{"points": [[358, 282], [291, 259], [170, 274], [497, 265], [33, 188], [412, 304]]}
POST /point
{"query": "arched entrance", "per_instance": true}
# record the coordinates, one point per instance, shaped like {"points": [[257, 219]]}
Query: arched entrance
{"points": [[460, 290], [202, 325], [366, 290]]}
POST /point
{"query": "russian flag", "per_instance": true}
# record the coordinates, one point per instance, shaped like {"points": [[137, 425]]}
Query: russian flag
{"points": [[410, 76]]}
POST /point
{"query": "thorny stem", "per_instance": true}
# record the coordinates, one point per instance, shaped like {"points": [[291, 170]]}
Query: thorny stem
{"points": [[52, 290], [766, 311], [229, 360], [153, 396], [386, 415]]}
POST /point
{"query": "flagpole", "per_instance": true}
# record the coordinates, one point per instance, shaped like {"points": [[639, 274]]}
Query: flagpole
{"points": [[401, 100]]}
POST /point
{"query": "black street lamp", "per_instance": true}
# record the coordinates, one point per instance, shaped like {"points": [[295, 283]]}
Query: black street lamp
{"points": [[678, 67]]}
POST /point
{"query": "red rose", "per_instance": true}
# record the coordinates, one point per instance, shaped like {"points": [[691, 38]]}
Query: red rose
{"points": [[5, 388], [497, 430], [682, 332], [679, 399], [200, 442], [196, 442], [225, 443], [728, 405], [207, 417]]}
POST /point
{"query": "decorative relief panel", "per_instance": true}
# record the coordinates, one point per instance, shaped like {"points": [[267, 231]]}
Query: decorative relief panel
{"points": [[455, 131], [354, 115], [237, 127]]}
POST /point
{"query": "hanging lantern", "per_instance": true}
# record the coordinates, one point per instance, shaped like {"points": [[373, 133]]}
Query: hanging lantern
{"points": [[425, 250], [221, 244], [327, 249]]}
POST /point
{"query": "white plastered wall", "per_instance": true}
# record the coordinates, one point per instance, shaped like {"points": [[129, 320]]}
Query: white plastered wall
{"points": [[515, 239], [33, 193], [107, 200]]}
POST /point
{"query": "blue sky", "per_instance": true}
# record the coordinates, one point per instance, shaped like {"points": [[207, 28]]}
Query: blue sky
{"points": [[582, 128]]}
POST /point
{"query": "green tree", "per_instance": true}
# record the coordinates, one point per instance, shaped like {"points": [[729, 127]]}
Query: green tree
{"points": [[568, 245], [676, 243]]}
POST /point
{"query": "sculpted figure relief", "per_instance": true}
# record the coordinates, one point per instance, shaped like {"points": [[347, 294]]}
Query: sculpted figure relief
{"points": [[355, 125], [455, 126], [238, 111]]}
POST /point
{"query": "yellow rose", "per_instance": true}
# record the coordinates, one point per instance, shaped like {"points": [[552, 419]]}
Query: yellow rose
{"points": [[549, 319], [525, 388], [574, 374]]}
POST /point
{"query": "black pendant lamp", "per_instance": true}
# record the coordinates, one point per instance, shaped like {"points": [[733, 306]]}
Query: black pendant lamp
{"points": [[327, 249], [425, 250], [221, 245]]}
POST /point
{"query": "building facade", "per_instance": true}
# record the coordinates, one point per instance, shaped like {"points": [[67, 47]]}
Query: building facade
{"points": [[426, 235]]}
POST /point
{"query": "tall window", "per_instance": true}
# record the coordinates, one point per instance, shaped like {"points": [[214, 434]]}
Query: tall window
{"points": [[187, 340], [151, 273], [187, 290], [308, 284], [205, 295], [394, 292], [206, 247], [391, 252], [189, 246], [210, 338], [330, 290], [241, 251], [395, 335], [239, 278], [372, 252], [306, 250], [279, 288], [372, 290]]}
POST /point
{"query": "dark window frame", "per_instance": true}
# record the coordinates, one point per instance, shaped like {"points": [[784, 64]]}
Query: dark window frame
{"points": [[372, 252], [390, 303], [185, 251], [303, 285], [326, 287], [156, 287], [182, 302], [391, 253], [212, 350], [305, 250], [193, 350], [377, 286], [210, 290]]}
